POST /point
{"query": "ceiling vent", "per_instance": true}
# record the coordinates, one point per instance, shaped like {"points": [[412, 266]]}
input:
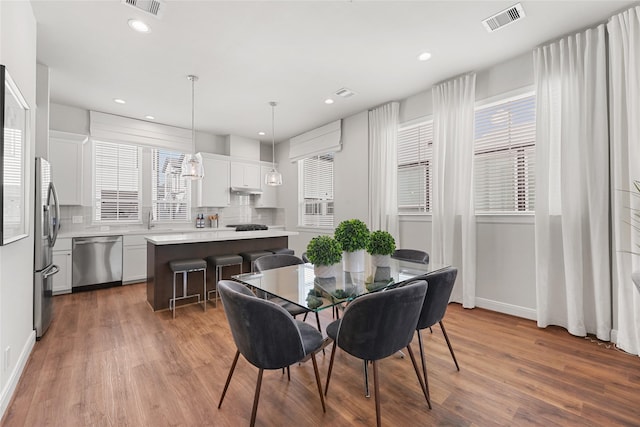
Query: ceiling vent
{"points": [[504, 18], [345, 93], [152, 7]]}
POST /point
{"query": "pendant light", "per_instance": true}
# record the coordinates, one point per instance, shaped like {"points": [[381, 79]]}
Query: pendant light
{"points": [[273, 177], [192, 164]]}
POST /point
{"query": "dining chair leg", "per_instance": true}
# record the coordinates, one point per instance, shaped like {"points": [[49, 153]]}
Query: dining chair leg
{"points": [[226, 385], [333, 353], [315, 370], [424, 366], [446, 337], [366, 380], [288, 374], [376, 390], [256, 398], [415, 368]]}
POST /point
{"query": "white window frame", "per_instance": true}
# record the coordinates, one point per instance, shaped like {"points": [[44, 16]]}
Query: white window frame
{"points": [[524, 178], [326, 205], [424, 159], [183, 187]]}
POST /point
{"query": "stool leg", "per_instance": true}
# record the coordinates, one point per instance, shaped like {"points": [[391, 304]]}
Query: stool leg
{"points": [[204, 293], [174, 295], [184, 283]]}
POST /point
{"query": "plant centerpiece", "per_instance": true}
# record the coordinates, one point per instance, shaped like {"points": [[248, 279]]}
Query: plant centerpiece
{"points": [[324, 252], [381, 246], [353, 235]]}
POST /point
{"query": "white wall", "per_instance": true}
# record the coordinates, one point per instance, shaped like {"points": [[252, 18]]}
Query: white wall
{"points": [[18, 53]]}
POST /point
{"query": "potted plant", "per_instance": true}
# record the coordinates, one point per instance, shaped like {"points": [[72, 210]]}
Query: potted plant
{"points": [[381, 246], [324, 252], [353, 235]]}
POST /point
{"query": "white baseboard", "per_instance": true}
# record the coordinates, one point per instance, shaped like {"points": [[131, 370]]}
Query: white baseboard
{"points": [[10, 388], [501, 307]]}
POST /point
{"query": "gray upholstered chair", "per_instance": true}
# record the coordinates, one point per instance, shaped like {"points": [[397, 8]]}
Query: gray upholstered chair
{"points": [[266, 335], [377, 325], [304, 258], [434, 308], [269, 262], [412, 255]]}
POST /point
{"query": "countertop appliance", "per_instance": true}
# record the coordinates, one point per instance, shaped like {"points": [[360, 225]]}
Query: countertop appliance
{"points": [[97, 262], [248, 227], [46, 227]]}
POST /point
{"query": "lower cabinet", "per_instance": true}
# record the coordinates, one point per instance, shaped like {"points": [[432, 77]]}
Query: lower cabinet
{"points": [[134, 259], [62, 279]]}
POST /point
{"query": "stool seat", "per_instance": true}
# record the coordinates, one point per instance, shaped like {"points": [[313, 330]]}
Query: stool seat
{"points": [[224, 260], [285, 251], [252, 256], [187, 265]]}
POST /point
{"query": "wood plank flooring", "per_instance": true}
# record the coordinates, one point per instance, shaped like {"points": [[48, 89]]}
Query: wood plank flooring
{"points": [[109, 360]]}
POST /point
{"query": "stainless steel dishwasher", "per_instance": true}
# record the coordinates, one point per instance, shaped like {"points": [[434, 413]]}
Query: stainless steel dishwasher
{"points": [[97, 262]]}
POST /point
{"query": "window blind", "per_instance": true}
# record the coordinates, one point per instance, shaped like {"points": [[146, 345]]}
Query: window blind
{"points": [[117, 182], [316, 207], [13, 184], [504, 162], [170, 193], [415, 153]]}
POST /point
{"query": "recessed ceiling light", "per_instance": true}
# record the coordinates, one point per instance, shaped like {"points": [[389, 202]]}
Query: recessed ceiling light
{"points": [[119, 101], [424, 56], [139, 26], [328, 101], [261, 133], [150, 117]]}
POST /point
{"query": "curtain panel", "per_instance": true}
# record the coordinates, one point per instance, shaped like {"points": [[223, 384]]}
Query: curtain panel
{"points": [[383, 165], [624, 111], [572, 185], [453, 215]]}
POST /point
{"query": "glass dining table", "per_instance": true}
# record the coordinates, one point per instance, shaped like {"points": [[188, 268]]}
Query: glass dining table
{"points": [[299, 285]]}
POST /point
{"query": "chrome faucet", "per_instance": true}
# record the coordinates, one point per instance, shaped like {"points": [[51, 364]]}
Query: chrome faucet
{"points": [[149, 225]]}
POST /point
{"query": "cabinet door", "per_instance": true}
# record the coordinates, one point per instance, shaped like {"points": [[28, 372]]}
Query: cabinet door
{"points": [[213, 189], [134, 264], [62, 279], [65, 156], [245, 175], [268, 197]]}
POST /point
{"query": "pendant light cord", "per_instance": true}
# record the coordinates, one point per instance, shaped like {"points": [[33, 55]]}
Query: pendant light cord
{"points": [[193, 112], [273, 135]]}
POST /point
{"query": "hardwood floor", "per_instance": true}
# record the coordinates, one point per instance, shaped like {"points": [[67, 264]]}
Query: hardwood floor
{"points": [[108, 360]]}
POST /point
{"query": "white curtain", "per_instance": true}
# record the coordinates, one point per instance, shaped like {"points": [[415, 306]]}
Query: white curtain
{"points": [[383, 165], [572, 185], [453, 214], [624, 104]]}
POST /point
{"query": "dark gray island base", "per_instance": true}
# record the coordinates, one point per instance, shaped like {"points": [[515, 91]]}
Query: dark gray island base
{"points": [[161, 251]]}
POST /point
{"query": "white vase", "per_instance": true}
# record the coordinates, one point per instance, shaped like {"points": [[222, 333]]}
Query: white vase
{"points": [[381, 260], [325, 271], [353, 261]]}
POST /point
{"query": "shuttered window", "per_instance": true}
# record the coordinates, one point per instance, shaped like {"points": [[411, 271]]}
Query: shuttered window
{"points": [[169, 192], [316, 204], [117, 182], [415, 153], [504, 162], [13, 182]]}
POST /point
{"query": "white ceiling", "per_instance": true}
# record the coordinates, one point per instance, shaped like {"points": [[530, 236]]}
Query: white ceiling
{"points": [[295, 52]]}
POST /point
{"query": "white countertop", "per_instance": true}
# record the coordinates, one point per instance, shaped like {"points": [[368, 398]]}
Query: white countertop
{"points": [[154, 231], [219, 235]]}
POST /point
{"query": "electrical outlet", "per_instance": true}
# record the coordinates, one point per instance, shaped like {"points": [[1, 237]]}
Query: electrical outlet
{"points": [[77, 219]]}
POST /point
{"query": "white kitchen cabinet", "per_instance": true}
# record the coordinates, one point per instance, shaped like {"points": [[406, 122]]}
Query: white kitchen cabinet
{"points": [[134, 259], [65, 156], [245, 175], [268, 198], [213, 189], [62, 258]]}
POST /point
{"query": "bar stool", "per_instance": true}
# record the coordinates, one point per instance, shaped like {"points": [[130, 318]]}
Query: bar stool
{"points": [[218, 262], [285, 251], [185, 266], [250, 257]]}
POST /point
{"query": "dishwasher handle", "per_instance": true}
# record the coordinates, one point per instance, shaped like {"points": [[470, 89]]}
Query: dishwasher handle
{"points": [[94, 240]]}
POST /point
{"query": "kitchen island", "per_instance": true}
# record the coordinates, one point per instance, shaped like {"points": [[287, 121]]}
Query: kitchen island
{"points": [[164, 248]]}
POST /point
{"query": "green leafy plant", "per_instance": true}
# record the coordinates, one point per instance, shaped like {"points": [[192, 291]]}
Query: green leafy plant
{"points": [[352, 234], [324, 250], [381, 243]]}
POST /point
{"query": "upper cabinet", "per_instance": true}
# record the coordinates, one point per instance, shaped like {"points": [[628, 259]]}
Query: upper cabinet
{"points": [[245, 175], [213, 189], [65, 156], [268, 197]]}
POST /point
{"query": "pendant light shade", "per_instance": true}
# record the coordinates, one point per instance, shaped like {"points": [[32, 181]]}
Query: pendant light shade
{"points": [[192, 163], [273, 177]]}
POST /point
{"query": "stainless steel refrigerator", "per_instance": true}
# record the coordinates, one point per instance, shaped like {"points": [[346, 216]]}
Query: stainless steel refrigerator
{"points": [[47, 224]]}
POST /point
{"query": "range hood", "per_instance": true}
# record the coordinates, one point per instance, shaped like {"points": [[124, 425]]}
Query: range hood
{"points": [[246, 190]]}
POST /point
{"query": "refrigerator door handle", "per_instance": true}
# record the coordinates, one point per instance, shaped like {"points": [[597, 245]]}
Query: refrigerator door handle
{"points": [[54, 269], [56, 219]]}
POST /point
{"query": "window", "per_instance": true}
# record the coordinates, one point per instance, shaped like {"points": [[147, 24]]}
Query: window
{"points": [[316, 207], [117, 182], [170, 192], [415, 152], [504, 162]]}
